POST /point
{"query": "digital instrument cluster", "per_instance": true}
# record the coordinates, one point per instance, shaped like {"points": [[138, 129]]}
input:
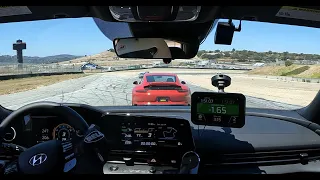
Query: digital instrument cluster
{"points": [[44, 128]]}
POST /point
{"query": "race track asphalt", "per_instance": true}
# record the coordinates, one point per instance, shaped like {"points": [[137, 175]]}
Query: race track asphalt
{"points": [[105, 89]]}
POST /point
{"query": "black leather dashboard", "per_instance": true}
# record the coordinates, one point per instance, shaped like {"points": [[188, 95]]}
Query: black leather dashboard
{"points": [[263, 145]]}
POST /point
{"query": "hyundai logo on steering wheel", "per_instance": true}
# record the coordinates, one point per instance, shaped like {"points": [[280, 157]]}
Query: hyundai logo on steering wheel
{"points": [[38, 159]]}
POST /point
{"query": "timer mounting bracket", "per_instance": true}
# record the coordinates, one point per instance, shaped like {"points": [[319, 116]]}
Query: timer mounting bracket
{"points": [[221, 81]]}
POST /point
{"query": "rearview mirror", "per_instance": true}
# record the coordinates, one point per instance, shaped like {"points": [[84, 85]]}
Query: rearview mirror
{"points": [[154, 48], [149, 48], [135, 82], [183, 82]]}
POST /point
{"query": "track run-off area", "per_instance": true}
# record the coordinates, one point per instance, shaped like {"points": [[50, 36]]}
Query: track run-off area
{"points": [[115, 89]]}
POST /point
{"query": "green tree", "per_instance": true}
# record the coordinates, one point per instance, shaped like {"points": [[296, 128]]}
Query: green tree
{"points": [[285, 56], [288, 63], [201, 52], [216, 56]]}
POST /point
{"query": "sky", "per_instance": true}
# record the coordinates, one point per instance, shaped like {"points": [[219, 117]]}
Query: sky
{"points": [[81, 36]]}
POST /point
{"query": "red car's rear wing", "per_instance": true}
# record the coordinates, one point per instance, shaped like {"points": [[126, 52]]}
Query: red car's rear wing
{"points": [[164, 86]]}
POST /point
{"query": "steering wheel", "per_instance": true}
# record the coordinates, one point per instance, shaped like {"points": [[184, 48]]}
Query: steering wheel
{"points": [[53, 156]]}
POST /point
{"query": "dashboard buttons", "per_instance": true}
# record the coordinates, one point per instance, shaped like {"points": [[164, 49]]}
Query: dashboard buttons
{"points": [[152, 170], [152, 161], [128, 161], [201, 117], [113, 168]]}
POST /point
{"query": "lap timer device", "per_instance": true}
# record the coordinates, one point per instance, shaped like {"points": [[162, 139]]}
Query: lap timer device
{"points": [[218, 109]]}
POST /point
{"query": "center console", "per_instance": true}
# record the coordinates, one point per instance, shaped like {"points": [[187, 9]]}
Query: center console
{"points": [[140, 144]]}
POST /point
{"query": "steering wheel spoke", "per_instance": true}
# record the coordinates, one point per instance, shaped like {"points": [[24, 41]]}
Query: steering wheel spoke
{"points": [[69, 155]]}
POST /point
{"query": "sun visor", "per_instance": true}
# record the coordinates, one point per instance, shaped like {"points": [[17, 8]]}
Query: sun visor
{"points": [[113, 30], [155, 13]]}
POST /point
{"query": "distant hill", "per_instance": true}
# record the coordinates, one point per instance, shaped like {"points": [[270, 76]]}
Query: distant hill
{"points": [[38, 60], [253, 56], [108, 58], [103, 56]]}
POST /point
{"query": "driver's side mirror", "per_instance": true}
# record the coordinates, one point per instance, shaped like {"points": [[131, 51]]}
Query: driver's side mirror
{"points": [[183, 82], [135, 82]]}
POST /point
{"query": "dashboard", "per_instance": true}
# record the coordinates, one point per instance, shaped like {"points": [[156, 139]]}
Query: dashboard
{"points": [[156, 136], [139, 139]]}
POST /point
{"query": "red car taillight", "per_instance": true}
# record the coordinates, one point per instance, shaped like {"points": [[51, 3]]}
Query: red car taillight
{"points": [[183, 90], [141, 91]]}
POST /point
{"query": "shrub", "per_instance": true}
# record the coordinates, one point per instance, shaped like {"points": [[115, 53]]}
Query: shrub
{"points": [[288, 63]]}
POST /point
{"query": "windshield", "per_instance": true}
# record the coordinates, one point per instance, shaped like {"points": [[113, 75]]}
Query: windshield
{"points": [[73, 61]]}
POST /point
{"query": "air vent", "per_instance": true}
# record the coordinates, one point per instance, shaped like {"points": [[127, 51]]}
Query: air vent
{"points": [[263, 158]]}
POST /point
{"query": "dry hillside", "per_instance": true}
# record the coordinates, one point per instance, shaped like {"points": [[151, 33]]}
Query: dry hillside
{"points": [[104, 56], [108, 58], [306, 71]]}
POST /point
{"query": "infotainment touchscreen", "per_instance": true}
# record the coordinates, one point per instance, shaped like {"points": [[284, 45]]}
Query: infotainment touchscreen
{"points": [[154, 135], [148, 134]]}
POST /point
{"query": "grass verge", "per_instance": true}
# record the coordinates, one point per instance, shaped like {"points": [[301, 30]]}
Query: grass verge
{"points": [[296, 71], [18, 85], [310, 71]]}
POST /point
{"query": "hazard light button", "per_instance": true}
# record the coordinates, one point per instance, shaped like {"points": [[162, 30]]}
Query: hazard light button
{"points": [[153, 161]]}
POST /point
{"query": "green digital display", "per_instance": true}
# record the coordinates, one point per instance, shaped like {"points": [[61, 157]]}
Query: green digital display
{"points": [[225, 109], [218, 109]]}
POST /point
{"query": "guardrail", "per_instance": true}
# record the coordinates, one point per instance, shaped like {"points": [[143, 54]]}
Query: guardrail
{"points": [[18, 76], [212, 67], [14, 69]]}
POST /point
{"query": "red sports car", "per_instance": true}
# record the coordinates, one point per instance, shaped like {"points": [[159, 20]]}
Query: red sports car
{"points": [[161, 89]]}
